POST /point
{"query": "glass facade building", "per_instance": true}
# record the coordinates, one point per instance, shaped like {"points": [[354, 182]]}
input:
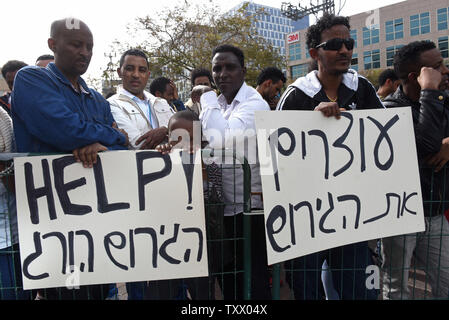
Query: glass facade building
{"points": [[272, 25]]}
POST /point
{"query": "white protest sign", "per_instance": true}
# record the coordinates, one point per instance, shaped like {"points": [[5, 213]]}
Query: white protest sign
{"points": [[328, 182], [134, 216]]}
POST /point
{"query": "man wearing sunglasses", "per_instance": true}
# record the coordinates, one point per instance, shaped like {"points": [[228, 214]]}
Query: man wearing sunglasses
{"points": [[331, 89]]}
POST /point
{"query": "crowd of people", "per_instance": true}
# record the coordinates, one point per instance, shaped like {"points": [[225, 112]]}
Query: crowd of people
{"points": [[52, 110]]}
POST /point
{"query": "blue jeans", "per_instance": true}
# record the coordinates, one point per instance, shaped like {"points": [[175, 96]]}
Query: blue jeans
{"points": [[136, 290], [11, 275], [347, 265]]}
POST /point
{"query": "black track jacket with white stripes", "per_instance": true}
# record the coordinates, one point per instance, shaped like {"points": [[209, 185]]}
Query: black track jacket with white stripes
{"points": [[355, 92]]}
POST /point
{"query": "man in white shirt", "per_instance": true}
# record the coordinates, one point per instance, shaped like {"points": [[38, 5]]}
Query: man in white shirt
{"points": [[227, 120], [143, 116]]}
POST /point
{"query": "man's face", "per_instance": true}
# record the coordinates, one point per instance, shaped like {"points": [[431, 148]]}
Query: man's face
{"points": [[228, 74], [334, 62], [390, 86], [433, 59], [73, 50], [202, 81], [43, 63], [134, 74], [10, 78]]}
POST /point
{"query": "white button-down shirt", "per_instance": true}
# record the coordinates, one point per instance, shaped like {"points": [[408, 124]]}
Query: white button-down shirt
{"points": [[224, 123]]}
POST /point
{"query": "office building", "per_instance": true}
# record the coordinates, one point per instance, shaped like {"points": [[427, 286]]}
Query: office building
{"points": [[272, 25]]}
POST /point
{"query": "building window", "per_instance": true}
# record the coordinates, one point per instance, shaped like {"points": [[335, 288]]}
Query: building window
{"points": [[442, 18], [353, 35], [371, 35], [299, 71], [371, 59], [419, 24], [394, 29], [355, 62], [443, 46], [391, 51], [294, 51]]}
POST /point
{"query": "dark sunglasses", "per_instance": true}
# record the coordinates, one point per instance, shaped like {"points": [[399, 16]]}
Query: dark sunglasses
{"points": [[336, 43]]}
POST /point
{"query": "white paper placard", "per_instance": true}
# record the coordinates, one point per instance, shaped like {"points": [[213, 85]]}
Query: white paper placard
{"points": [[135, 216], [337, 181]]}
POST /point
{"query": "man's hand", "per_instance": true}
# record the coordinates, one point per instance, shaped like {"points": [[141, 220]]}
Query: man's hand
{"points": [[429, 79], [152, 138], [198, 91], [439, 159], [88, 154], [329, 109], [273, 102], [114, 125]]}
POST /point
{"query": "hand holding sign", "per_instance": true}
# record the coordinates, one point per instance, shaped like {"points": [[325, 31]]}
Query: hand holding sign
{"points": [[330, 183], [329, 109]]}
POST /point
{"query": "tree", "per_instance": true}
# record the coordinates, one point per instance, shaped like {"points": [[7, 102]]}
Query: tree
{"points": [[372, 75], [182, 38]]}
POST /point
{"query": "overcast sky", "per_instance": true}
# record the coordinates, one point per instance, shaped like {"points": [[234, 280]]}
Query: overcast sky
{"points": [[25, 24]]}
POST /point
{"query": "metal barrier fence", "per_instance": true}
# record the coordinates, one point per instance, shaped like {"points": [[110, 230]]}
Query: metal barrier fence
{"points": [[318, 276]]}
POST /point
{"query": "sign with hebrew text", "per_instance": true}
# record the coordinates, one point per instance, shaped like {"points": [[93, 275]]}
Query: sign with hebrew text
{"points": [[134, 216], [330, 182]]}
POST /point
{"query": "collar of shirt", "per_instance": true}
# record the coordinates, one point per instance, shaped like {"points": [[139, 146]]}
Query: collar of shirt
{"points": [[60, 76], [122, 90]]}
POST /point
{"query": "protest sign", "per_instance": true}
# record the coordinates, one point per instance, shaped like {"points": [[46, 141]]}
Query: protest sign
{"points": [[328, 182], [134, 216]]}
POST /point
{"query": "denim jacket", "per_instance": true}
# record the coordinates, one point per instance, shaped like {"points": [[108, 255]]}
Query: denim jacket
{"points": [[49, 115]]}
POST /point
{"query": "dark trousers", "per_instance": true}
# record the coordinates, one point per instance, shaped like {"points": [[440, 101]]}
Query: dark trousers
{"points": [[231, 281], [89, 292], [348, 267]]}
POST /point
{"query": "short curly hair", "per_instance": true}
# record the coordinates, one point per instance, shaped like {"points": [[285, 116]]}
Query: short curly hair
{"points": [[407, 59], [327, 21], [12, 66]]}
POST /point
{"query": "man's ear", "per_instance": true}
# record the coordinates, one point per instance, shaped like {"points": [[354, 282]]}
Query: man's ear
{"points": [[51, 44], [119, 72], [244, 71]]}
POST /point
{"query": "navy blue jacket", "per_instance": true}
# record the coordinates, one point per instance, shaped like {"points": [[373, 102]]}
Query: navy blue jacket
{"points": [[49, 115]]}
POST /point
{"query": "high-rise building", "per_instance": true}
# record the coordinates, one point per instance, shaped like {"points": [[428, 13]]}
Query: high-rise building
{"points": [[379, 33], [271, 24]]}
